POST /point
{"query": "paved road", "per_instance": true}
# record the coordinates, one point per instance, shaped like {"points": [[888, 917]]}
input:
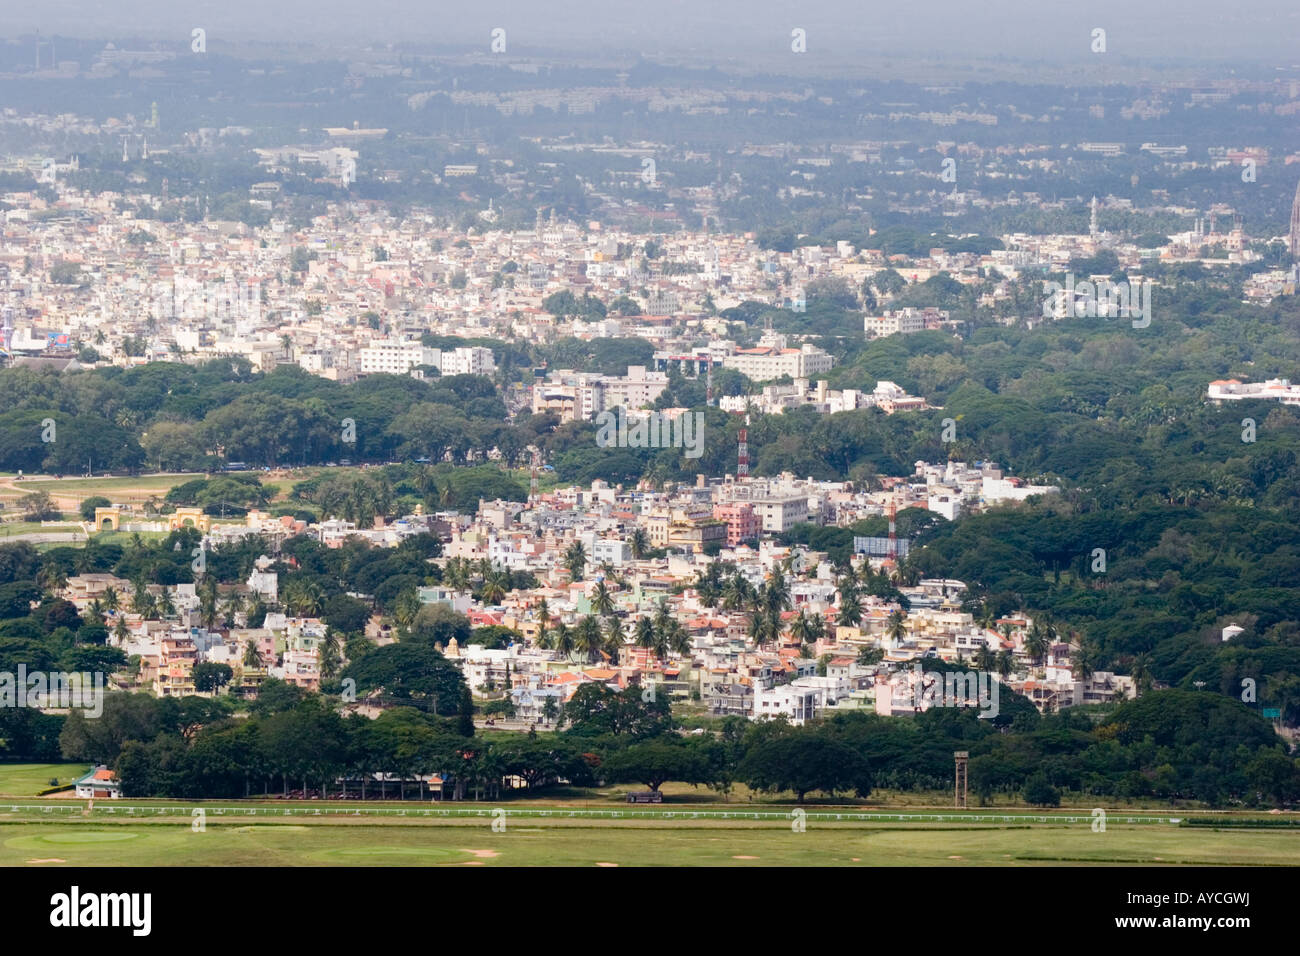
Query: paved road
{"points": [[45, 537]]}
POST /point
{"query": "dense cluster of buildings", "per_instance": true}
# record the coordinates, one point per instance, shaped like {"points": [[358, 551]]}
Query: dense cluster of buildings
{"points": [[686, 527], [352, 293]]}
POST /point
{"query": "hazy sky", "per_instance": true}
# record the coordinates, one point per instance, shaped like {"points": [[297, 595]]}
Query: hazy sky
{"points": [[1259, 30]]}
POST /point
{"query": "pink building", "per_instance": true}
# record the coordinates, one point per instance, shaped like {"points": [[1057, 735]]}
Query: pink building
{"points": [[742, 523]]}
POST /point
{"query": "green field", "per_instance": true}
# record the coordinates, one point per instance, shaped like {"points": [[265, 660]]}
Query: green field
{"points": [[29, 779], [57, 831], [532, 842]]}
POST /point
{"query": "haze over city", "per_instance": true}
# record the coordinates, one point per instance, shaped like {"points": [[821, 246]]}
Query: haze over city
{"points": [[690, 434]]}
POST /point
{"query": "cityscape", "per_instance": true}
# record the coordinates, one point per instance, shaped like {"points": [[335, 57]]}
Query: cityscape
{"points": [[787, 446]]}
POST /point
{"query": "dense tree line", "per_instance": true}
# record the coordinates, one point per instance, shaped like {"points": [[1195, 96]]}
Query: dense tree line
{"points": [[1170, 745]]}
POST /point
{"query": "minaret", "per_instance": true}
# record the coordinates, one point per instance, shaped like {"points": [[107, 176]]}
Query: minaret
{"points": [[742, 455], [1092, 222]]}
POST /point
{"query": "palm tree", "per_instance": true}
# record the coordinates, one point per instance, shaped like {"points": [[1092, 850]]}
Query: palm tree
{"points": [[303, 597], [1141, 670], [662, 618], [614, 637], [679, 639], [575, 559], [252, 657], [405, 607], [644, 632], [774, 626], [907, 574], [329, 653], [708, 584], [985, 659], [736, 592], [494, 588], [1036, 642], [208, 610], [662, 642], [776, 593], [1085, 660], [256, 608], [52, 577], [166, 606], [456, 574], [110, 598], [588, 639], [427, 487], [756, 627], [563, 640], [1050, 631], [847, 584], [896, 626], [543, 620], [1005, 663], [850, 608], [120, 630], [141, 600], [234, 604], [208, 585], [610, 573], [601, 602], [639, 543], [801, 630]]}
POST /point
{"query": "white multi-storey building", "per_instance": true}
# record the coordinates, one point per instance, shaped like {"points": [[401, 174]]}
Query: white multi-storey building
{"points": [[581, 395], [779, 514], [768, 362], [472, 360], [394, 357], [903, 321]]}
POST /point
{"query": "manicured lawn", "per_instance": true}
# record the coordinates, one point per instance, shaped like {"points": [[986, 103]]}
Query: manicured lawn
{"points": [[111, 487], [534, 843], [27, 779]]}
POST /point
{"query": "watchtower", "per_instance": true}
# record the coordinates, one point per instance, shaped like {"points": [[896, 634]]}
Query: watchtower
{"points": [[961, 759]]}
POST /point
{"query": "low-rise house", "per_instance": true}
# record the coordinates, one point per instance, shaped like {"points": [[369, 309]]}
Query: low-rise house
{"points": [[98, 783]]}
